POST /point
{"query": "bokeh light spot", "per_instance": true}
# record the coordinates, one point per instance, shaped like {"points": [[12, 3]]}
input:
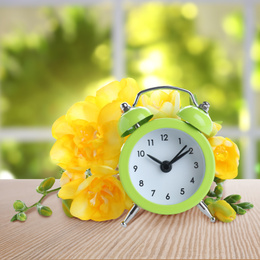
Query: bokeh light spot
{"points": [[189, 11]]}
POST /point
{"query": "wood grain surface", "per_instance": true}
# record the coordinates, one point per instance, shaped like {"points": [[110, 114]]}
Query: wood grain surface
{"points": [[189, 235]]}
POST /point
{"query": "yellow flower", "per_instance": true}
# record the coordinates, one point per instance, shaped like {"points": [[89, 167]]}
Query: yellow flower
{"points": [[100, 197], [226, 155], [222, 211], [162, 104], [87, 135]]}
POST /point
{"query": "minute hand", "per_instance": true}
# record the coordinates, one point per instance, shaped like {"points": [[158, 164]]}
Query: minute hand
{"points": [[173, 160], [179, 156]]}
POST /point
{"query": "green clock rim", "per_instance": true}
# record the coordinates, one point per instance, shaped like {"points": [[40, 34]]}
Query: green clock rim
{"points": [[158, 208]]}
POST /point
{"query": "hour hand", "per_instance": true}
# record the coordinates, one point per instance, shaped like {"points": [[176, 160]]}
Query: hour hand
{"points": [[155, 159]]}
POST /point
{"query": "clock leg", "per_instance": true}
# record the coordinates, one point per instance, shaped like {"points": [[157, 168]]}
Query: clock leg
{"points": [[204, 209], [131, 213]]}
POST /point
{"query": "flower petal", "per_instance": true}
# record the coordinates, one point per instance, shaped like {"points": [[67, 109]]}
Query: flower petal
{"points": [[216, 140], [112, 140], [63, 150], [108, 93], [110, 112], [87, 111], [68, 191], [61, 128], [102, 170], [81, 208], [129, 90]]}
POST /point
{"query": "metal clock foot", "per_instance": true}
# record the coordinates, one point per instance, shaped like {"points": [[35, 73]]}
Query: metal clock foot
{"points": [[204, 209], [131, 213]]}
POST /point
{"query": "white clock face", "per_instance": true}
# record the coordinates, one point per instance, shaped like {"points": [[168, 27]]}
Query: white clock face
{"points": [[166, 166]]}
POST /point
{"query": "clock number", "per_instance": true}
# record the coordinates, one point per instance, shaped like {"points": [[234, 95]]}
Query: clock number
{"points": [[164, 137], [192, 180], [182, 191], [135, 167], [179, 140], [191, 151], [150, 142], [196, 165], [141, 183], [153, 191], [167, 196], [141, 153]]}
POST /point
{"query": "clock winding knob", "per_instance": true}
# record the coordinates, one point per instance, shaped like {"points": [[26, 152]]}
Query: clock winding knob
{"points": [[205, 106], [125, 107]]}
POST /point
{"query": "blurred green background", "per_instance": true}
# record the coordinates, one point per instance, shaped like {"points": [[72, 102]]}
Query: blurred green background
{"points": [[52, 57]]}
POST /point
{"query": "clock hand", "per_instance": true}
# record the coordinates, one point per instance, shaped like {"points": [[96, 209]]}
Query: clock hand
{"points": [[180, 156], [155, 159], [173, 160]]}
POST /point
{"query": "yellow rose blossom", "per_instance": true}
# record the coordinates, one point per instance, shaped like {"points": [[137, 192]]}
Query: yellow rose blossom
{"points": [[222, 211], [100, 197], [162, 104], [226, 155]]}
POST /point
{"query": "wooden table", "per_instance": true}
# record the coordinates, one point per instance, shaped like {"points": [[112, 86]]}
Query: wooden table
{"points": [[189, 235]]}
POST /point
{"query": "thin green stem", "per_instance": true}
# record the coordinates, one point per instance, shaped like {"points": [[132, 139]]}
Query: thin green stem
{"points": [[44, 195], [53, 190]]}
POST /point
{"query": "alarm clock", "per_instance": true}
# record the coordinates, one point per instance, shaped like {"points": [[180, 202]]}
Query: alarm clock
{"points": [[166, 165]]}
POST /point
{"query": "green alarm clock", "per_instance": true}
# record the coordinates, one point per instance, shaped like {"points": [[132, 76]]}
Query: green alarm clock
{"points": [[166, 165]]}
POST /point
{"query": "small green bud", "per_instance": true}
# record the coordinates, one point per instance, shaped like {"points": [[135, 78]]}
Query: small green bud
{"points": [[45, 185], [233, 198], [21, 216], [211, 194], [222, 211], [44, 210], [19, 205], [245, 205], [209, 201], [218, 180], [218, 190], [238, 209]]}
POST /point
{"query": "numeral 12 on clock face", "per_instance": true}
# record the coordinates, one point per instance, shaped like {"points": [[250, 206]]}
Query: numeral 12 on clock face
{"points": [[166, 166]]}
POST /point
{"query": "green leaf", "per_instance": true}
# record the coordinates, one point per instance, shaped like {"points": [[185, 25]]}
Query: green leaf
{"points": [[45, 185], [238, 209], [245, 205], [66, 207], [232, 198], [19, 205], [14, 218], [61, 171], [21, 216], [44, 210]]}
